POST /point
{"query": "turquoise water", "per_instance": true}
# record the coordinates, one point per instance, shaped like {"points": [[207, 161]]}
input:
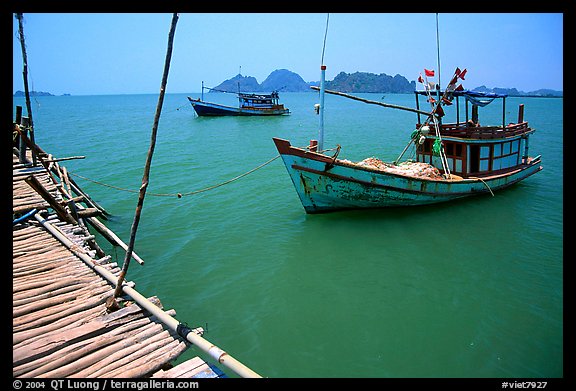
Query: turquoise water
{"points": [[468, 289]]}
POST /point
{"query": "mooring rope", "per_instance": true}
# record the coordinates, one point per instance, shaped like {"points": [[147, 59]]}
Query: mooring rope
{"points": [[180, 195], [485, 184]]}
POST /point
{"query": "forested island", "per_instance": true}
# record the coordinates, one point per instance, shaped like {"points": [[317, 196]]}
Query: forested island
{"points": [[284, 80]]}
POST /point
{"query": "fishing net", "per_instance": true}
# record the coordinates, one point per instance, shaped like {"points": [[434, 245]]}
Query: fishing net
{"points": [[413, 169]]}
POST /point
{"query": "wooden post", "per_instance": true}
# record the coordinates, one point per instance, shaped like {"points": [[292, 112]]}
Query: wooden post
{"points": [[18, 114], [111, 304], [313, 147], [475, 114], [21, 142], [521, 113], [25, 74]]}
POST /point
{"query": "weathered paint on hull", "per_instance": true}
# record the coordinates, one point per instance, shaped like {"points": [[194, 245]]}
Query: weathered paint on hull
{"points": [[324, 187], [212, 109]]}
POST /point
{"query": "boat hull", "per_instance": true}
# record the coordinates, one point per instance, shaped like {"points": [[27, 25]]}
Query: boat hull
{"points": [[327, 184], [206, 109]]}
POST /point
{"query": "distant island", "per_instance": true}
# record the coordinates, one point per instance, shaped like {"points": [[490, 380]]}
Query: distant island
{"points": [[284, 80], [35, 93]]}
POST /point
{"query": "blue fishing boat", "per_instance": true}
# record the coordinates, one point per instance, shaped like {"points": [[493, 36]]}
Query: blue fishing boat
{"points": [[452, 160], [248, 104]]}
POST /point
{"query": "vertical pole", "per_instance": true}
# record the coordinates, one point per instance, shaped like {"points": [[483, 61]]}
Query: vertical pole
{"points": [[25, 75], [111, 303], [521, 113], [202, 94], [438, 48], [475, 113], [457, 111], [21, 142], [438, 99], [321, 130], [417, 106], [18, 114], [504, 113]]}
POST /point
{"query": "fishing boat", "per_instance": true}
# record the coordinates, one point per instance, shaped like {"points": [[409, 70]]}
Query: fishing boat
{"points": [[452, 160], [248, 104]]}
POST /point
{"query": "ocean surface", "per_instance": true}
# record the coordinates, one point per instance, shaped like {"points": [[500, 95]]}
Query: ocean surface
{"points": [[469, 289]]}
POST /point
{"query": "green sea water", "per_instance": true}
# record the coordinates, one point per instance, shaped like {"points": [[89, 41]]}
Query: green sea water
{"points": [[473, 288]]}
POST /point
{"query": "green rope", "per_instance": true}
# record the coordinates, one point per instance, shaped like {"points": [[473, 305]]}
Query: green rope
{"points": [[180, 195]]}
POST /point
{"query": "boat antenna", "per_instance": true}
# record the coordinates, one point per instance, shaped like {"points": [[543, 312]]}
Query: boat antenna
{"points": [[438, 48], [325, 34], [322, 78]]}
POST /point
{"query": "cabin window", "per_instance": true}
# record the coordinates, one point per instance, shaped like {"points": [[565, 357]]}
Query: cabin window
{"points": [[479, 158], [458, 165], [454, 156], [506, 155], [496, 163], [515, 146]]}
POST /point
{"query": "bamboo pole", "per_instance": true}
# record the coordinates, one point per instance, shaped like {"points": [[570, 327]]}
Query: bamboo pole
{"points": [[112, 303], [60, 210], [204, 345], [373, 102], [111, 236], [19, 16], [52, 167]]}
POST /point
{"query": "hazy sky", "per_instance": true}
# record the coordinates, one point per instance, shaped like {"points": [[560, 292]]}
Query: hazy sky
{"points": [[107, 53]]}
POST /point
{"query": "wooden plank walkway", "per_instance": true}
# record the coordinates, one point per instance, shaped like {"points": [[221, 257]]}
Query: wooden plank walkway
{"points": [[61, 327]]}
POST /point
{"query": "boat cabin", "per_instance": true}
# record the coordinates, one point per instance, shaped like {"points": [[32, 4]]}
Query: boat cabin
{"points": [[472, 149], [259, 100]]}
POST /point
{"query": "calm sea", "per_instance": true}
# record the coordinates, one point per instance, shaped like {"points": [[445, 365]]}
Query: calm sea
{"points": [[473, 288]]}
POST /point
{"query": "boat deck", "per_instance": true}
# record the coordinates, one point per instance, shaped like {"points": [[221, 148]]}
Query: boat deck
{"points": [[61, 327]]}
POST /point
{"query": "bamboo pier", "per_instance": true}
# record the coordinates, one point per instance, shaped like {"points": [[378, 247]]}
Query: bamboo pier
{"points": [[62, 280]]}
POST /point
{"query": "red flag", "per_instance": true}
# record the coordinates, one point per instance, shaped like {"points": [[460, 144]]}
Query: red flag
{"points": [[431, 100], [439, 111], [428, 72], [461, 75], [457, 71], [420, 80], [446, 101], [459, 88]]}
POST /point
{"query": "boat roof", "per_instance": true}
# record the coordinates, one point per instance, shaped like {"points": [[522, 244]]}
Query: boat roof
{"points": [[258, 96]]}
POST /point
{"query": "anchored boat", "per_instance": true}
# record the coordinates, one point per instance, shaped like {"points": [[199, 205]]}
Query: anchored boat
{"points": [[453, 160], [248, 104]]}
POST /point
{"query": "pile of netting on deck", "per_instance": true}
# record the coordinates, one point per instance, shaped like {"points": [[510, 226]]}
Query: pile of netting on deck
{"points": [[413, 169]]}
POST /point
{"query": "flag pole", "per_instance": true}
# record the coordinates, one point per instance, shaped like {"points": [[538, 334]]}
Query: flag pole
{"points": [[438, 48], [322, 80]]}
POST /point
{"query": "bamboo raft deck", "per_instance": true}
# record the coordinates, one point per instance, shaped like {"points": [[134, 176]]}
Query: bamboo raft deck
{"points": [[61, 327]]}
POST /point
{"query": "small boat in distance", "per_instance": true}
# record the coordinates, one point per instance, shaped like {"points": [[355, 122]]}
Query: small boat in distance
{"points": [[452, 160], [248, 104]]}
